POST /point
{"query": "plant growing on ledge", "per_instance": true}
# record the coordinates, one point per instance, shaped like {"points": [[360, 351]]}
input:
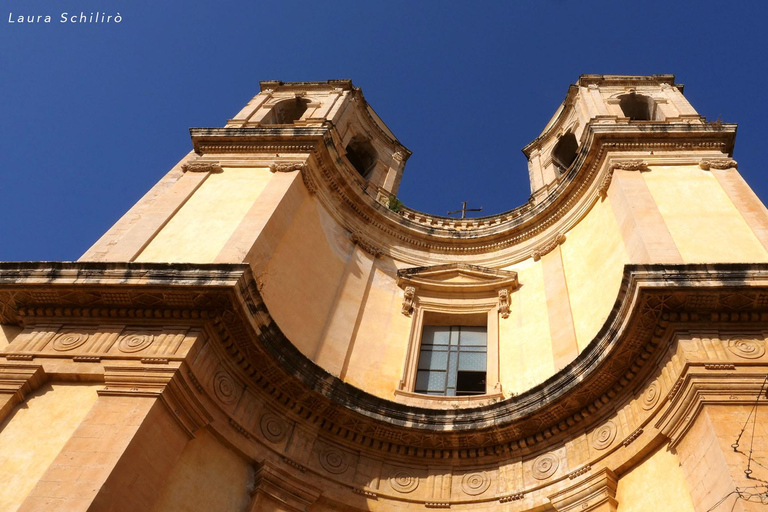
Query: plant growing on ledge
{"points": [[395, 204]]}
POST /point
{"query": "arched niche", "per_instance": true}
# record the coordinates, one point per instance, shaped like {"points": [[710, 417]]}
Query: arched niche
{"points": [[638, 107], [362, 155], [565, 151], [286, 112]]}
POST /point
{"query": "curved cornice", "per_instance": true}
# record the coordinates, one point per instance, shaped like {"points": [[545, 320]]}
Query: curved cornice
{"points": [[653, 302], [422, 239]]}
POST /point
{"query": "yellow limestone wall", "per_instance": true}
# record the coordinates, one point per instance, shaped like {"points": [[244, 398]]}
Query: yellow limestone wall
{"points": [[380, 344], [304, 273], [207, 477], [593, 259], [706, 226], [657, 484], [34, 434], [201, 228], [525, 344]]}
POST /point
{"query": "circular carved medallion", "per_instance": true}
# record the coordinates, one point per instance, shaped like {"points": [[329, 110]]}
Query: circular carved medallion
{"points": [[333, 460], [69, 341], [273, 427], [604, 436], [475, 483], [545, 466], [651, 396], [748, 349], [225, 388], [404, 480], [135, 343]]}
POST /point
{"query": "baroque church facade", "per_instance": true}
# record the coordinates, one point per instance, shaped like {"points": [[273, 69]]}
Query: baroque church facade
{"points": [[270, 329]]}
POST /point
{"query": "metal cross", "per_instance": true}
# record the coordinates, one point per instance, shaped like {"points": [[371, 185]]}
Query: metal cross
{"points": [[464, 210]]}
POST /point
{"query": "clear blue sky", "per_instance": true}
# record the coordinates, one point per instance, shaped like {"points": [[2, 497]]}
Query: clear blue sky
{"points": [[94, 114]]}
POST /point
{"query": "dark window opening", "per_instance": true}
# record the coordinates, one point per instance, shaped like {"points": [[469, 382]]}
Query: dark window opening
{"points": [[452, 360], [638, 107], [286, 112], [565, 151], [362, 156]]}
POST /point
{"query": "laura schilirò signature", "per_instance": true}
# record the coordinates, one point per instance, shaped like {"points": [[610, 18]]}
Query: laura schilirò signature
{"points": [[82, 18]]}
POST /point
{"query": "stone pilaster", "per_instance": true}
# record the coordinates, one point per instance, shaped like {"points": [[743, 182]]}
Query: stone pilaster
{"points": [[120, 456]]}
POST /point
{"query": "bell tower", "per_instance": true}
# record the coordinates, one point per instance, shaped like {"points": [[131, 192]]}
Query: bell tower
{"points": [[245, 180], [624, 103]]}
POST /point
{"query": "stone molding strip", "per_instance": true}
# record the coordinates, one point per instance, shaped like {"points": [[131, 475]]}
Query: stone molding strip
{"points": [[652, 298]]}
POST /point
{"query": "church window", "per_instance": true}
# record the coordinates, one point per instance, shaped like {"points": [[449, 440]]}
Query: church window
{"points": [[362, 155], [452, 360], [565, 151], [638, 107], [286, 112]]}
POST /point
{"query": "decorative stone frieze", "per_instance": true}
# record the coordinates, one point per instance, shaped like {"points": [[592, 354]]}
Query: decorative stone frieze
{"points": [[202, 166], [629, 165], [287, 167], [718, 163]]}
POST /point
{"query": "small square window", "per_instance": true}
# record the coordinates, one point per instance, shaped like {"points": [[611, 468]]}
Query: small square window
{"points": [[452, 360]]}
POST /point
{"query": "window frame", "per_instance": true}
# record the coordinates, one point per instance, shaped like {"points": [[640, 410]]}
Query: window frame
{"points": [[454, 291]]}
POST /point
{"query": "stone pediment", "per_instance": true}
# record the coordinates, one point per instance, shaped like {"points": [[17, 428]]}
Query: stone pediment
{"points": [[457, 278]]}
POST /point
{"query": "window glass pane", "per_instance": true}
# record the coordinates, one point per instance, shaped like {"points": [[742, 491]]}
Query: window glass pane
{"points": [[430, 382], [435, 335], [470, 383], [433, 360], [474, 336], [472, 361]]}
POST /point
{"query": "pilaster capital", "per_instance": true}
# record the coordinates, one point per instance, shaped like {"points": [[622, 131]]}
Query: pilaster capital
{"points": [[274, 483], [597, 493], [166, 383]]}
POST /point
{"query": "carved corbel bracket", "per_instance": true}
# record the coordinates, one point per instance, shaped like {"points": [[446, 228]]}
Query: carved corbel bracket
{"points": [[504, 302], [408, 297], [202, 166], [365, 244], [596, 493], [718, 163], [548, 246]]}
